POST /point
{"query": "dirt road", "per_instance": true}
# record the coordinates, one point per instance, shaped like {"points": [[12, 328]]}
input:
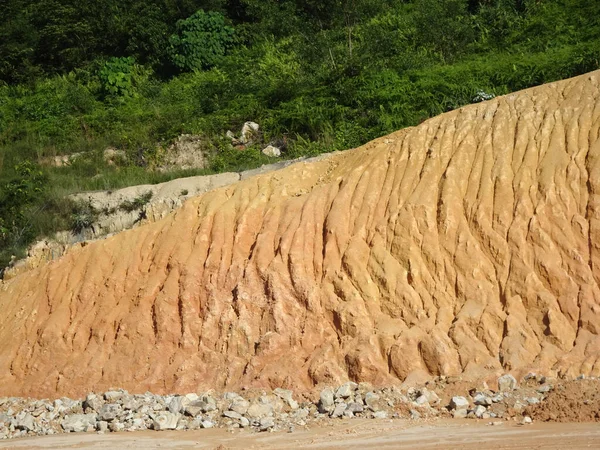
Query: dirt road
{"points": [[356, 434]]}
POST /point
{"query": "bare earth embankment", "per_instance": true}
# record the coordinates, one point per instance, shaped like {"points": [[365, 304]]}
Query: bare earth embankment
{"points": [[468, 247]]}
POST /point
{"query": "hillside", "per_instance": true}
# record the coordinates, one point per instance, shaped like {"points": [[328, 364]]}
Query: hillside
{"points": [[465, 245]]}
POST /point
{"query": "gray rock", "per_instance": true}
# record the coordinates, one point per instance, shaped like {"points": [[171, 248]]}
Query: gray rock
{"points": [[266, 423], [422, 400], [507, 383], [231, 396], [497, 398], [207, 404], [244, 422], [287, 396], [192, 397], [459, 402], [139, 424], [348, 414], [346, 390], [232, 415], [355, 407], [166, 421], [109, 412], [414, 415], [207, 424], [131, 404], [545, 388], [114, 396], [240, 406], [339, 410], [177, 404], [115, 426], [259, 410], [26, 422], [79, 422], [102, 426], [380, 415], [93, 402], [526, 420], [192, 410], [432, 397], [326, 401], [301, 413], [371, 399], [479, 411], [532, 400], [460, 413], [482, 399]]}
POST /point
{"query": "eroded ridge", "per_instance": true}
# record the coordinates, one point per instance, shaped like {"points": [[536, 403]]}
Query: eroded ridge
{"points": [[468, 244]]}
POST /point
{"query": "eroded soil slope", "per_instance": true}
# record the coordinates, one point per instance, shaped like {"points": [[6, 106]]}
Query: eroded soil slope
{"points": [[469, 244]]}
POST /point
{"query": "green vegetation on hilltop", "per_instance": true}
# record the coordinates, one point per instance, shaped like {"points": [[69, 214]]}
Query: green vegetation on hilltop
{"points": [[77, 77]]}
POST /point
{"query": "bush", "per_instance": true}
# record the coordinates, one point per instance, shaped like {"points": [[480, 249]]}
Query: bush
{"points": [[117, 77], [201, 41]]}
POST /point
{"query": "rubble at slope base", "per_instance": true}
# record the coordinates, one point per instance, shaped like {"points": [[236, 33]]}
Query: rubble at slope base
{"points": [[535, 398]]}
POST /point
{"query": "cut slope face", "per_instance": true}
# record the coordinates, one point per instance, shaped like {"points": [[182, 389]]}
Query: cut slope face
{"points": [[468, 244]]}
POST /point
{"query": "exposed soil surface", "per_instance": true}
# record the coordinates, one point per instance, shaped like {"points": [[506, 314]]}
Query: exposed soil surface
{"points": [[466, 246], [367, 434], [578, 401]]}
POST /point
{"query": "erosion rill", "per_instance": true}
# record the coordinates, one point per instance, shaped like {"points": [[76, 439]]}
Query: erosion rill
{"points": [[467, 245]]}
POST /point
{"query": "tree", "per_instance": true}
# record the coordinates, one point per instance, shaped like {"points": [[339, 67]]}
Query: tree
{"points": [[200, 41]]}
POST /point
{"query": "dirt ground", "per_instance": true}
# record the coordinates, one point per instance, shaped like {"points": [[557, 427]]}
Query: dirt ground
{"points": [[355, 434]]}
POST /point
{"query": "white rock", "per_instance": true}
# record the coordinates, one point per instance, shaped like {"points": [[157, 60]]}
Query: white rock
{"points": [[507, 383], [249, 130], [482, 399], [177, 404], [78, 422], [326, 401], [479, 411], [113, 396], [192, 397], [459, 402], [371, 399], [232, 415], [339, 410], [166, 421], [460, 413], [422, 400], [26, 423], [259, 410], [266, 423], [287, 396], [432, 397], [271, 151]]}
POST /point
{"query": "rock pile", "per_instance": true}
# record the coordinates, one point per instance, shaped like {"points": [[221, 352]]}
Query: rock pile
{"points": [[279, 410]]}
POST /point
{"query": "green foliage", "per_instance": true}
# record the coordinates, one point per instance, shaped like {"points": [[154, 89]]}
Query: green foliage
{"points": [[317, 76], [200, 41], [444, 26], [82, 217], [117, 77], [137, 203]]}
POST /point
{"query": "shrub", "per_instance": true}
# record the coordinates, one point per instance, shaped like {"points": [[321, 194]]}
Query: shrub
{"points": [[201, 41], [117, 77], [136, 203]]}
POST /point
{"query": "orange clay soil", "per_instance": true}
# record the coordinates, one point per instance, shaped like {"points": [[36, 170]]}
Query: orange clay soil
{"points": [[467, 245]]}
